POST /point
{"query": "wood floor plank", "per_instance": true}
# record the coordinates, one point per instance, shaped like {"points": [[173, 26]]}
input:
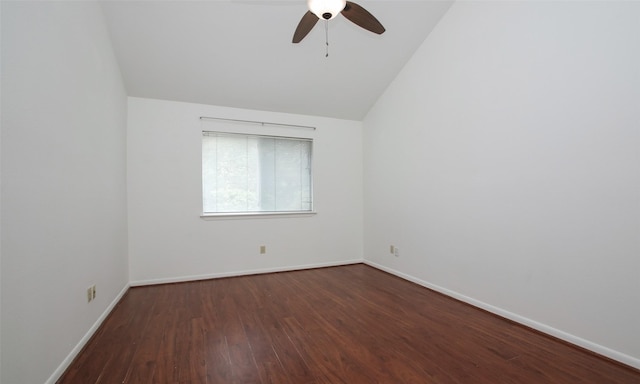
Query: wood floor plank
{"points": [[217, 352], [130, 337], [352, 324], [145, 363], [243, 365]]}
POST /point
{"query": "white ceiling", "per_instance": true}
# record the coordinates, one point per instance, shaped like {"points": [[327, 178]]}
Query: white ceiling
{"points": [[238, 53]]}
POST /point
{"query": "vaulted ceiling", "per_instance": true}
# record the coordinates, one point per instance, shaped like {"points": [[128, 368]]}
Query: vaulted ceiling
{"points": [[238, 53]]}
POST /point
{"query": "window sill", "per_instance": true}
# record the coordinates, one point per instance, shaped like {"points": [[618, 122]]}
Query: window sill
{"points": [[254, 215]]}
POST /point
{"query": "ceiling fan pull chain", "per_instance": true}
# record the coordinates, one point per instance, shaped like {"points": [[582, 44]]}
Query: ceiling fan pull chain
{"points": [[326, 34]]}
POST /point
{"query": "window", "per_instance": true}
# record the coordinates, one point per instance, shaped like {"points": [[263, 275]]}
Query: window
{"points": [[244, 173]]}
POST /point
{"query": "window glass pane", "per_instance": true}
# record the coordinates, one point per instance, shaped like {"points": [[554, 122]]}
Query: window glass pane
{"points": [[267, 154], [231, 172], [209, 179], [250, 173], [290, 167]]}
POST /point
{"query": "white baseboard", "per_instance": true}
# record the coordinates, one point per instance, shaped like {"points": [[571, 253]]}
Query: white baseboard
{"points": [[597, 348], [74, 352], [242, 273]]}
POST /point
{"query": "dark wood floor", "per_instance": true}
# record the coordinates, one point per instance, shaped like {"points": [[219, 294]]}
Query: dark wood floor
{"points": [[351, 324]]}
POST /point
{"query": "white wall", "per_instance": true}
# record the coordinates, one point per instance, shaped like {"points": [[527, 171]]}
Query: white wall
{"points": [[0, 196], [63, 183], [168, 241], [504, 162]]}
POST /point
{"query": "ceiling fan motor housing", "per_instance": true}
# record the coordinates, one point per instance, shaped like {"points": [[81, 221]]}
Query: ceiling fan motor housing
{"points": [[326, 9]]}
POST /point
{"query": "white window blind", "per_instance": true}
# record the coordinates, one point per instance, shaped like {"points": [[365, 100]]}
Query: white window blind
{"points": [[244, 173]]}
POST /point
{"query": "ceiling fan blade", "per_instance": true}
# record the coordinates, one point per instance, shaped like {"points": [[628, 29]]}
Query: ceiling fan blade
{"points": [[305, 26], [361, 17]]}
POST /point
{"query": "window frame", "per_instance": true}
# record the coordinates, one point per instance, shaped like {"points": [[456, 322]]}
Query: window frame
{"points": [[258, 214]]}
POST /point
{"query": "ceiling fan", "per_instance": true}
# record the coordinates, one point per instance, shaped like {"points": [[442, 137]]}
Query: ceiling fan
{"points": [[328, 9]]}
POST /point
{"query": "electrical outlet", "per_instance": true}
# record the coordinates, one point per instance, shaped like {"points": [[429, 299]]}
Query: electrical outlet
{"points": [[91, 293], [396, 251], [263, 249]]}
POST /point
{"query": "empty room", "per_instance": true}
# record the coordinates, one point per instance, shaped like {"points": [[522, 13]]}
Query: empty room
{"points": [[297, 192]]}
